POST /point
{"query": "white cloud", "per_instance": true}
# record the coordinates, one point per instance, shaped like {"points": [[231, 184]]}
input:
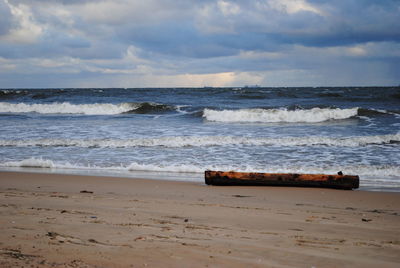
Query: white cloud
{"points": [[28, 30], [7, 65], [121, 12], [250, 55], [294, 6], [357, 51], [228, 8]]}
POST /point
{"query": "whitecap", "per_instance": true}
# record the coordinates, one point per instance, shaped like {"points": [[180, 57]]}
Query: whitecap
{"points": [[203, 141], [313, 115]]}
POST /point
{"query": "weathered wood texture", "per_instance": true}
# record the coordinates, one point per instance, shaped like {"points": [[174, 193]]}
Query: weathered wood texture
{"points": [[346, 182]]}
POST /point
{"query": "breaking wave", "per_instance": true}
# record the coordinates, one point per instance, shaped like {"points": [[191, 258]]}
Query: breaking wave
{"points": [[199, 141], [41, 163], [87, 109], [383, 172], [313, 115]]}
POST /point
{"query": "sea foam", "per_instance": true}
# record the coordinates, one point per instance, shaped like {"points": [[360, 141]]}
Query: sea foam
{"points": [[313, 115], [381, 172], [30, 162], [87, 109], [202, 141]]}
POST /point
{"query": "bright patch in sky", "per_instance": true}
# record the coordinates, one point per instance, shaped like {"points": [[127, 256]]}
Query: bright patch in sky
{"points": [[293, 6]]}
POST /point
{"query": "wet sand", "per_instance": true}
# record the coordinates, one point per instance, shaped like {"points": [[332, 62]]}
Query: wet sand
{"points": [[51, 220]]}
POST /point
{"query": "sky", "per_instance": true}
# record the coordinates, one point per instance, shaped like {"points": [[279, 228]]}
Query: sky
{"points": [[197, 43]]}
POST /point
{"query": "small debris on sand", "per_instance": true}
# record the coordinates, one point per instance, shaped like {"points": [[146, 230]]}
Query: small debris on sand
{"points": [[86, 192]]}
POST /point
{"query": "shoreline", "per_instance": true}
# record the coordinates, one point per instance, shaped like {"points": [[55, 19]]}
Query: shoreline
{"points": [[60, 220], [159, 175]]}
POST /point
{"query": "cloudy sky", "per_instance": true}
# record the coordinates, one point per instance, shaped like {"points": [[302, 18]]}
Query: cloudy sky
{"points": [[179, 43]]}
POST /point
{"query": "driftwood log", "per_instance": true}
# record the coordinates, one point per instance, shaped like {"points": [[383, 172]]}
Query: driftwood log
{"points": [[346, 182]]}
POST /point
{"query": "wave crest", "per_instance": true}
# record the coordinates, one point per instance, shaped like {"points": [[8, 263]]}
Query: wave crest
{"points": [[31, 163], [361, 170], [87, 109], [313, 115], [198, 141]]}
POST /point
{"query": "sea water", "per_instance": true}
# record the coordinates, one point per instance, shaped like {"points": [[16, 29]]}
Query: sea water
{"points": [[178, 133]]}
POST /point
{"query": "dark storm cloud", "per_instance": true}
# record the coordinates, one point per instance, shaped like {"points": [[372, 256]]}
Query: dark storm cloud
{"points": [[358, 21], [339, 23]]}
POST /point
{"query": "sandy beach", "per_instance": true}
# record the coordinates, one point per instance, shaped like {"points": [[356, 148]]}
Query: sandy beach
{"points": [[51, 220]]}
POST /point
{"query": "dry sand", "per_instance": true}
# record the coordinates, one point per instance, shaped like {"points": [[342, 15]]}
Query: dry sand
{"points": [[50, 220]]}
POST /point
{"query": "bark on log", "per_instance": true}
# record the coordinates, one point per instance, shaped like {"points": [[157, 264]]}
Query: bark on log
{"points": [[346, 182]]}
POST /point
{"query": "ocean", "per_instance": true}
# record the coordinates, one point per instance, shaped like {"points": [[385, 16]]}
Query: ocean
{"points": [[178, 133]]}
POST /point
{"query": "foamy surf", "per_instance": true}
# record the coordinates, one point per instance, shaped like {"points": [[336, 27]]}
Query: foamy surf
{"points": [[31, 163], [378, 176], [87, 109], [161, 132], [313, 115], [203, 141]]}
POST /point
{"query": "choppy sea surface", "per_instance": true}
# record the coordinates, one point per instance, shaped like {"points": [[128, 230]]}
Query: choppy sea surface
{"points": [[178, 133]]}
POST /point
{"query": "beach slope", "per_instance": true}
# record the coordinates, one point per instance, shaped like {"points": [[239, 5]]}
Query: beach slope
{"points": [[51, 220]]}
